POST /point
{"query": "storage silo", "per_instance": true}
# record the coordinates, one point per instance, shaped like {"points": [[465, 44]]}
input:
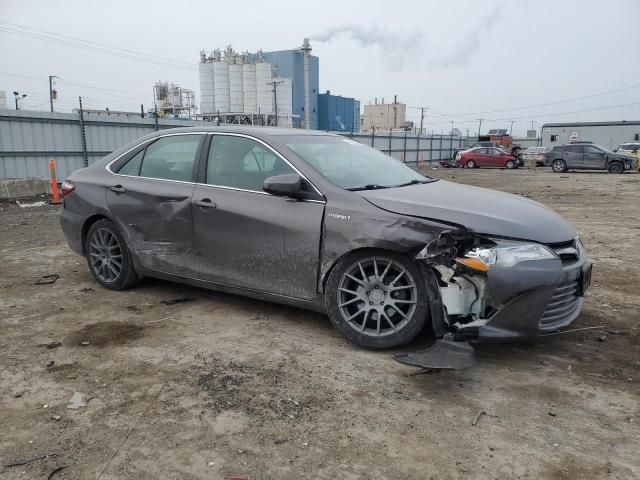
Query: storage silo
{"points": [[236, 89], [207, 94], [250, 98], [284, 98], [220, 83], [264, 88]]}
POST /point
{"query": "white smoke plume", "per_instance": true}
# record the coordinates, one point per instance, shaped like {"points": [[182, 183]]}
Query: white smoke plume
{"points": [[394, 46]]}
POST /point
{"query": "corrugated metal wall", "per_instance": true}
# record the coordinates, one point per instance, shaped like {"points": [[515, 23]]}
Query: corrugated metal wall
{"points": [[29, 139], [337, 113]]}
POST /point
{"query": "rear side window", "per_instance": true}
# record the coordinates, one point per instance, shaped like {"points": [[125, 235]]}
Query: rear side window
{"points": [[171, 158], [132, 167]]}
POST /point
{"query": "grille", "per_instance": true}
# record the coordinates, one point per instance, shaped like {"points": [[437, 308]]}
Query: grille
{"points": [[563, 306], [567, 251]]}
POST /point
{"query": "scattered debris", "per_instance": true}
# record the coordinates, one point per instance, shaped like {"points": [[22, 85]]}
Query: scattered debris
{"points": [[46, 405], [475, 420], [47, 279], [78, 400], [51, 345], [25, 461], [570, 331], [50, 363], [28, 205], [56, 417], [602, 338], [18, 394], [280, 441], [211, 464], [173, 301], [87, 290], [552, 414], [55, 470], [133, 308], [84, 344]]}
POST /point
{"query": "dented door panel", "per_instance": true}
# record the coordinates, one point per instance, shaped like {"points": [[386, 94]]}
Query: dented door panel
{"points": [[155, 216]]}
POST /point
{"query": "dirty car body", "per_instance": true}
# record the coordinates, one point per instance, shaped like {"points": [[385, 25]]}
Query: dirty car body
{"points": [[292, 216]]}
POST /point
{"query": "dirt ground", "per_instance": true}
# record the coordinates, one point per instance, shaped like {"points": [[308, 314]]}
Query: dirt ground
{"points": [[226, 387]]}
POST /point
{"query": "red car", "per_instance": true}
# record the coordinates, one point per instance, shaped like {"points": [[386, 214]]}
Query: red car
{"points": [[486, 157]]}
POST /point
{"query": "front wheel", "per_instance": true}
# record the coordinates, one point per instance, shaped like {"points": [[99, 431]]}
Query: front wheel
{"points": [[471, 164], [108, 257], [559, 166], [510, 164], [377, 299], [615, 167]]}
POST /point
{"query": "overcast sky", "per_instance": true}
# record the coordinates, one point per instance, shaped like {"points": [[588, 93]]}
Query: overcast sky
{"points": [[463, 59]]}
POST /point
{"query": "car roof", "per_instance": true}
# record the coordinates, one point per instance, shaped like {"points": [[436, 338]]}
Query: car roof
{"points": [[248, 129]]}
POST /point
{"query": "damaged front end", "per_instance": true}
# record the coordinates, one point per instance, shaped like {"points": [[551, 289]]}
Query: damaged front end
{"points": [[492, 289]]}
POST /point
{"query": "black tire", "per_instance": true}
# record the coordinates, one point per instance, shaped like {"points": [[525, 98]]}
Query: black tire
{"points": [[511, 164], [126, 276], [412, 321], [559, 165], [471, 164], [615, 168]]}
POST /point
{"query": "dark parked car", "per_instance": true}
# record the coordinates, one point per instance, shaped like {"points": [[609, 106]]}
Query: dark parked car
{"points": [[587, 156], [486, 157], [322, 222]]}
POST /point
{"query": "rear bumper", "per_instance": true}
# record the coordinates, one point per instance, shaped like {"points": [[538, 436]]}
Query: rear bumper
{"points": [[537, 299], [71, 224]]}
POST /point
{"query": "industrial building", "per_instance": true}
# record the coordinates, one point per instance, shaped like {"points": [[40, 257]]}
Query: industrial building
{"points": [[264, 88], [606, 134], [337, 113], [384, 116], [173, 101]]}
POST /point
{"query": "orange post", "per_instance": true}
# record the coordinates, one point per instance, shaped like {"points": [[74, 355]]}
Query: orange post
{"points": [[421, 161], [54, 182]]}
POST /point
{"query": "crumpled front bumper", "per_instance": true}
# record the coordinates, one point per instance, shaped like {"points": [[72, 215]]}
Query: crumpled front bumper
{"points": [[530, 298]]}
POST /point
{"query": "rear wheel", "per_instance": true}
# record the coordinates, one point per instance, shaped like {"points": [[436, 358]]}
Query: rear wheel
{"points": [[377, 299], [559, 166], [108, 257], [615, 167], [471, 164]]}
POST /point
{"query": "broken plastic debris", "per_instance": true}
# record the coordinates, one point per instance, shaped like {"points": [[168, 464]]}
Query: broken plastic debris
{"points": [[78, 400], [173, 301], [445, 353], [47, 279]]}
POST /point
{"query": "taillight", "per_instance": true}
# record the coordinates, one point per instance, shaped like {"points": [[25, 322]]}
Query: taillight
{"points": [[67, 188]]}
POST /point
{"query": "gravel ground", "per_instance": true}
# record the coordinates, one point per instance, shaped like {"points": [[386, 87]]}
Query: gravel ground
{"points": [[223, 386]]}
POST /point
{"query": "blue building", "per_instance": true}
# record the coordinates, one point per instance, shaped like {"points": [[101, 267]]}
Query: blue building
{"points": [[290, 63], [337, 113]]}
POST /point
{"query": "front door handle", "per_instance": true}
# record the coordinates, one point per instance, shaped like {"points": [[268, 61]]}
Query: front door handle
{"points": [[117, 189], [205, 203]]}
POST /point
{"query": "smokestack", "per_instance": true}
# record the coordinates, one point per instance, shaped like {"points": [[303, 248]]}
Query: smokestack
{"points": [[395, 99], [306, 51]]}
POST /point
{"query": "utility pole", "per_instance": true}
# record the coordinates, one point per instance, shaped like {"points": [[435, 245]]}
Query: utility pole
{"points": [[275, 83], [479, 126], [51, 91], [511, 129], [422, 109]]}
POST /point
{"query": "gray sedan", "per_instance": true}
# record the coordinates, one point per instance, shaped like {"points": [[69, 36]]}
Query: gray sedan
{"points": [[322, 222]]}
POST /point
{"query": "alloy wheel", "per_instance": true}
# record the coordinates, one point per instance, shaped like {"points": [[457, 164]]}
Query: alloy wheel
{"points": [[558, 166], [377, 296], [105, 255]]}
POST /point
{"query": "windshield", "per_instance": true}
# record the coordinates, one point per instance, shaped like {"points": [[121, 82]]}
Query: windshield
{"points": [[352, 165]]}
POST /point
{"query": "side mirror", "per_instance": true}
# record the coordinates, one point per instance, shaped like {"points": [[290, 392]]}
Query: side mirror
{"points": [[289, 185]]}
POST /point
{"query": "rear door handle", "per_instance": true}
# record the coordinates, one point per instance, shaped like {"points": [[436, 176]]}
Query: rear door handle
{"points": [[117, 189], [205, 203]]}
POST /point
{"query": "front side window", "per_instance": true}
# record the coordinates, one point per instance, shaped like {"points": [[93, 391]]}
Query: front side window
{"points": [[593, 150], [351, 165], [575, 149], [243, 163]]}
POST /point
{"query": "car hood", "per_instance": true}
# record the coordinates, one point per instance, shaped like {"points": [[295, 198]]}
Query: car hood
{"points": [[480, 210]]}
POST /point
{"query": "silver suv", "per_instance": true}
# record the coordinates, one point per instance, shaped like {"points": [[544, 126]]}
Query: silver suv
{"points": [[587, 156]]}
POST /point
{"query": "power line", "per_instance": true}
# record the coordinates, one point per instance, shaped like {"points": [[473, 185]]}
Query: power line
{"points": [[558, 102], [90, 48], [103, 45]]}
